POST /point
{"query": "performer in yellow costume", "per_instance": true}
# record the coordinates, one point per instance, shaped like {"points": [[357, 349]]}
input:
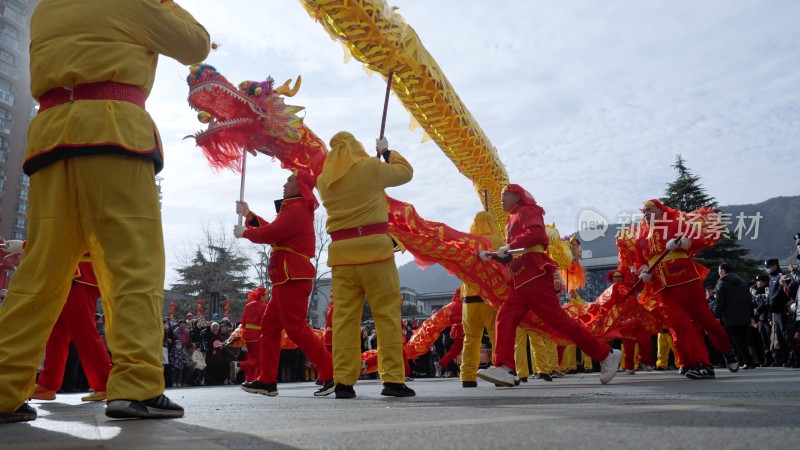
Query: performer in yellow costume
{"points": [[477, 314], [92, 155], [543, 352], [569, 363], [361, 257]]}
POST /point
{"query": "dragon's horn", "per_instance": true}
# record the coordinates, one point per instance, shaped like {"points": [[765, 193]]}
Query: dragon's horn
{"points": [[286, 91]]}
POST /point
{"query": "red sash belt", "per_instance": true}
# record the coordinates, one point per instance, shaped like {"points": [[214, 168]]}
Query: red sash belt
{"points": [[365, 230], [105, 90]]}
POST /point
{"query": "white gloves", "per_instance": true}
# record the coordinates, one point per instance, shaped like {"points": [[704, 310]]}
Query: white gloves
{"points": [[644, 274], [671, 245], [484, 255], [381, 144], [238, 230], [683, 243], [502, 252], [242, 208], [13, 246]]}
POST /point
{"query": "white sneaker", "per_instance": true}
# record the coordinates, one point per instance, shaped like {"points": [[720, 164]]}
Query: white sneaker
{"points": [[498, 375], [609, 366], [630, 372], [647, 367]]}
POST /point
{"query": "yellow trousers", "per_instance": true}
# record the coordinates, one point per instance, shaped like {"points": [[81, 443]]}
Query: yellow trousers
{"points": [[543, 351], [475, 317], [664, 347], [568, 358], [379, 284], [107, 205]]}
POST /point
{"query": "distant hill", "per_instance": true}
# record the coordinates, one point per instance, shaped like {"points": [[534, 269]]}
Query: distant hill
{"points": [[430, 279], [780, 220]]}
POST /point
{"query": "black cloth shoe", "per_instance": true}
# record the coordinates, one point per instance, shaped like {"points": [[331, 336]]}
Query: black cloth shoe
{"points": [[730, 362], [344, 391], [544, 376], [326, 389], [523, 379], [660, 369], [24, 413], [469, 384], [257, 387], [397, 390], [160, 407], [570, 372]]}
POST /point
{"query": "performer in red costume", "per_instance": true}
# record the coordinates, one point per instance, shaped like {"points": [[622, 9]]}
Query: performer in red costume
{"points": [[75, 324], [532, 282], [456, 331], [677, 284], [636, 334], [251, 334], [293, 242]]}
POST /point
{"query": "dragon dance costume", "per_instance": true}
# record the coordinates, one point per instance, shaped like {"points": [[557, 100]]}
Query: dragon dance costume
{"points": [[293, 240], [677, 286], [532, 280], [251, 332], [361, 255], [92, 155]]}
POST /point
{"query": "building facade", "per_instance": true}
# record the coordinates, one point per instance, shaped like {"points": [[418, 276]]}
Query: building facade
{"points": [[16, 110]]}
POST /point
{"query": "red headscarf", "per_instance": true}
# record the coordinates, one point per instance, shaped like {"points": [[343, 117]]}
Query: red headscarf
{"points": [[306, 183], [671, 213], [256, 294], [525, 197]]}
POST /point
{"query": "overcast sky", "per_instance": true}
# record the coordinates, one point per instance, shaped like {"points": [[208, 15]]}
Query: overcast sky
{"points": [[587, 102]]}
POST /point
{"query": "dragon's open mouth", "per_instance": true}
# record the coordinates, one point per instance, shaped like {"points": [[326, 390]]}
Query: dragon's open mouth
{"points": [[222, 107]]}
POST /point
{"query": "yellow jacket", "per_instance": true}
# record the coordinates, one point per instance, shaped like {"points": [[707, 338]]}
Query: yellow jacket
{"points": [[89, 41], [358, 199], [484, 225]]}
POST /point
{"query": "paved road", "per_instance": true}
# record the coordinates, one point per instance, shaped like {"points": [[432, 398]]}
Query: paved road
{"points": [[749, 410]]}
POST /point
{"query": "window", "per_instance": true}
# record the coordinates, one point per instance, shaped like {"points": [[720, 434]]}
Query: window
{"points": [[20, 222]]}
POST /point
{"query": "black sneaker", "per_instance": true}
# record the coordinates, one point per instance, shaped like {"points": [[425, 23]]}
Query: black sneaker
{"points": [[701, 372], [344, 391], [326, 389], [160, 407], [397, 390], [682, 370], [544, 376], [257, 387], [469, 384], [730, 361], [24, 413], [523, 379]]}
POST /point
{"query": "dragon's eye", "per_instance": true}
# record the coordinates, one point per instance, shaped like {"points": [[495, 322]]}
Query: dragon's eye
{"points": [[204, 117]]}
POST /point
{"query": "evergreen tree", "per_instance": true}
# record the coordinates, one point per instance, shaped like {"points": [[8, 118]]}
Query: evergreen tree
{"points": [[687, 194], [217, 271]]}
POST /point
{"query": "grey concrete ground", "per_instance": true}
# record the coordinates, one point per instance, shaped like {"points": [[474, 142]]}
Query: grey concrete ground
{"points": [[751, 409]]}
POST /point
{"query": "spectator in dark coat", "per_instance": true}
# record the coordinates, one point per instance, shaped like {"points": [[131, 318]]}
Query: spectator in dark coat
{"points": [[734, 307], [777, 299]]}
